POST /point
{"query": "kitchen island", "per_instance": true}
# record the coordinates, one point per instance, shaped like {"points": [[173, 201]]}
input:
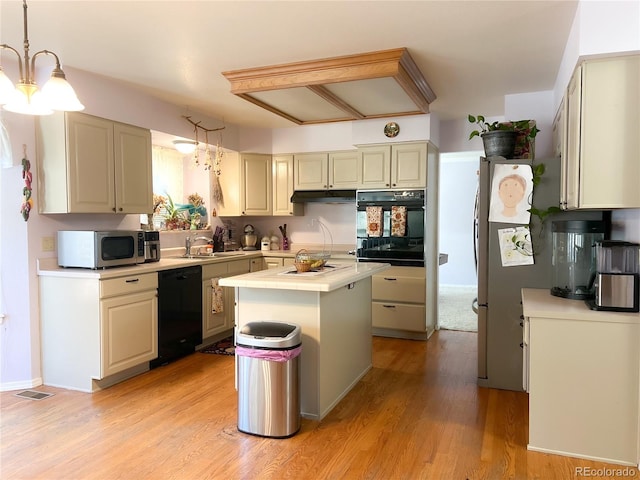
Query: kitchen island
{"points": [[333, 309]]}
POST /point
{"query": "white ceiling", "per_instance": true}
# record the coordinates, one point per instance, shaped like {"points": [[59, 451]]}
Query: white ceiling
{"points": [[471, 53]]}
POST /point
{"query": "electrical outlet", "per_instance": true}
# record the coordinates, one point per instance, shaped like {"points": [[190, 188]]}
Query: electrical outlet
{"points": [[48, 244]]}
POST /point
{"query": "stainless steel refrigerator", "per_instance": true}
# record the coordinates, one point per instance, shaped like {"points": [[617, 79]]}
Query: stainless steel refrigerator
{"points": [[500, 353]]}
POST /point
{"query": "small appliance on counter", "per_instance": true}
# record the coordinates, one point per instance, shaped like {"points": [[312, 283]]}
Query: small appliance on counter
{"points": [[100, 249], [151, 246], [617, 278], [573, 257], [249, 239]]}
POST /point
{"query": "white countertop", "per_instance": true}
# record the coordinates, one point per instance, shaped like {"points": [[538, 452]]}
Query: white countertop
{"points": [[539, 303], [48, 267], [325, 281]]}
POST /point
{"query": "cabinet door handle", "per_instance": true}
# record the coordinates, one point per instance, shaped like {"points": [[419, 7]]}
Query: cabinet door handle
{"points": [[133, 280], [390, 279], [389, 306], [522, 345]]}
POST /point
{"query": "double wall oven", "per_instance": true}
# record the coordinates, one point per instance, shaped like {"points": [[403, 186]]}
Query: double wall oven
{"points": [[390, 226]]}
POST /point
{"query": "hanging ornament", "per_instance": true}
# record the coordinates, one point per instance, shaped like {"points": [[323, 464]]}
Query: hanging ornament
{"points": [[27, 203], [196, 158], [207, 152]]}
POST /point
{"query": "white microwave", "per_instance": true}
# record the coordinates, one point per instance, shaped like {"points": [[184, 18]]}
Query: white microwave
{"points": [[100, 249]]}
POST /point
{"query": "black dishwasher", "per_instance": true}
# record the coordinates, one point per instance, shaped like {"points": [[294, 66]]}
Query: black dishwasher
{"points": [[179, 313]]}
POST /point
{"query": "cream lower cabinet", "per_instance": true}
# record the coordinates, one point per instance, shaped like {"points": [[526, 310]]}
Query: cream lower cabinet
{"points": [[246, 183], [398, 303], [128, 317], [216, 322], [277, 262], [97, 332], [583, 379], [88, 164], [601, 167]]}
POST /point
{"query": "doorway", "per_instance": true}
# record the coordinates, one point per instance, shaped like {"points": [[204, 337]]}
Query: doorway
{"points": [[458, 283]]}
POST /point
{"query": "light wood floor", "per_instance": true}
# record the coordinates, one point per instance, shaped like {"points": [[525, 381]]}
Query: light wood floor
{"points": [[417, 414]]}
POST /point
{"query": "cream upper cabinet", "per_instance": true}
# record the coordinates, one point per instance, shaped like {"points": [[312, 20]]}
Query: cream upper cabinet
{"points": [[601, 167], [88, 164], [402, 165], [311, 171], [246, 185], [283, 187], [326, 170], [344, 170]]}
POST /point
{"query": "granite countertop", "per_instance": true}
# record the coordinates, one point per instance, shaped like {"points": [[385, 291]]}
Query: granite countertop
{"points": [[539, 303], [335, 275]]}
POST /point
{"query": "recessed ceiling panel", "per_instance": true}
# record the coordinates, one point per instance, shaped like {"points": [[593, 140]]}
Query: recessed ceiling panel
{"points": [[352, 87], [375, 97], [300, 103]]}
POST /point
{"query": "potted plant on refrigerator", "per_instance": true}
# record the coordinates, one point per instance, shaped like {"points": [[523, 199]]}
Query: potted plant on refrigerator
{"points": [[505, 139]]}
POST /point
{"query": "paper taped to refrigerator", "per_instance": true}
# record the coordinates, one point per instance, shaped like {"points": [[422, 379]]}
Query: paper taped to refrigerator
{"points": [[515, 246], [511, 192]]}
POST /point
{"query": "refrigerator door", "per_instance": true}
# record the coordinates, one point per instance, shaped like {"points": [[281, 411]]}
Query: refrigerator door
{"points": [[499, 288]]}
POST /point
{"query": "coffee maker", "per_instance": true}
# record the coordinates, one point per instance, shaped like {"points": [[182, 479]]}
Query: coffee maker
{"points": [[617, 278]]}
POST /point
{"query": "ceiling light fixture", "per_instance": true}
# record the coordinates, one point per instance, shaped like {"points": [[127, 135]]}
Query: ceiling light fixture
{"points": [[354, 87], [185, 146], [25, 97]]}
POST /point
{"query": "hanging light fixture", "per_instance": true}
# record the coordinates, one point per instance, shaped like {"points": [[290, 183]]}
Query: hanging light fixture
{"points": [[25, 97], [185, 146]]}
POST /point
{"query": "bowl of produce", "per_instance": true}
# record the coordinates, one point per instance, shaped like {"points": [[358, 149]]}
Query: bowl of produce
{"points": [[306, 261]]}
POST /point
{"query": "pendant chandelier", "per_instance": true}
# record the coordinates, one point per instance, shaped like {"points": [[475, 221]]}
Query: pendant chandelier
{"points": [[25, 97]]}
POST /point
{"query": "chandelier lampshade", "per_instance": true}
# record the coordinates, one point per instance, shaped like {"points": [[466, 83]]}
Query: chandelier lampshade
{"points": [[25, 97]]}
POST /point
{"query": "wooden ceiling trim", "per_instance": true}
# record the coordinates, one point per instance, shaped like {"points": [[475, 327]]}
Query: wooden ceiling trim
{"points": [[268, 107], [395, 63], [338, 102]]}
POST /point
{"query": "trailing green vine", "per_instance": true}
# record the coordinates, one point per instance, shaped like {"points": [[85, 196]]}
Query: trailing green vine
{"points": [[538, 172]]}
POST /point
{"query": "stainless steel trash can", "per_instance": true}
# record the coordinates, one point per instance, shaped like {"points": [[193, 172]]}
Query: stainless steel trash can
{"points": [[268, 358]]}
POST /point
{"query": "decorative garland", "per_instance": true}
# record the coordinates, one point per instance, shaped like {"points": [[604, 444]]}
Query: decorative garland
{"points": [[27, 204]]}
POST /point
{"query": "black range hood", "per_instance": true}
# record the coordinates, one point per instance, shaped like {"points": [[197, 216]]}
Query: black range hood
{"points": [[324, 196]]}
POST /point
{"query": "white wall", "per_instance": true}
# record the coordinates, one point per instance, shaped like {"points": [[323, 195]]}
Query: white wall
{"points": [[598, 28], [458, 183], [347, 135]]}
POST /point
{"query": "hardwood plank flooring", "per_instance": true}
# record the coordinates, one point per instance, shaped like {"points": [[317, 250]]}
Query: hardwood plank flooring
{"points": [[418, 414]]}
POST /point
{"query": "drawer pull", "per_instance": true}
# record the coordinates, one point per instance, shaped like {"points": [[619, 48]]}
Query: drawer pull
{"points": [[134, 280], [389, 306], [390, 279]]}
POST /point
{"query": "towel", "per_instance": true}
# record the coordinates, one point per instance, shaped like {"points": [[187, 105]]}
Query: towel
{"points": [[374, 221], [217, 297], [398, 221]]}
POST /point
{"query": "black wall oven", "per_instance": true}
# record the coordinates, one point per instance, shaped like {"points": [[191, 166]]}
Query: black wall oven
{"points": [[390, 226]]}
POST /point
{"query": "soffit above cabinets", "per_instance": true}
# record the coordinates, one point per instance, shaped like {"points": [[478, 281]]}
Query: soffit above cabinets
{"points": [[354, 87]]}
